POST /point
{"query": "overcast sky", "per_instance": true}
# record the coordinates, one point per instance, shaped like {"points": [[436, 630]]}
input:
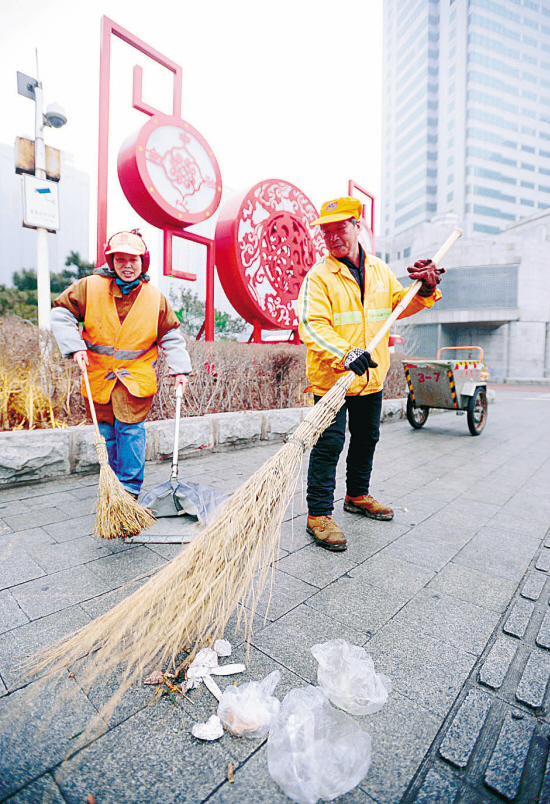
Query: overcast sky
{"points": [[289, 89]]}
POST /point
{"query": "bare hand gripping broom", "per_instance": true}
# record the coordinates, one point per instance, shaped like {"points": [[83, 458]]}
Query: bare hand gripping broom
{"points": [[118, 514], [192, 597]]}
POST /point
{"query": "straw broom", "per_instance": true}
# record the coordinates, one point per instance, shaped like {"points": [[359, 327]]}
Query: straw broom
{"points": [[191, 598], [118, 514]]}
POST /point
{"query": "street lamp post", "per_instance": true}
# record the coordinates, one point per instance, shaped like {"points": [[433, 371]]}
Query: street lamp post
{"points": [[55, 117]]}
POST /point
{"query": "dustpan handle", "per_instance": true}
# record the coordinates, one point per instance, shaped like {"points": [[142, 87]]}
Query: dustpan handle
{"points": [[179, 394]]}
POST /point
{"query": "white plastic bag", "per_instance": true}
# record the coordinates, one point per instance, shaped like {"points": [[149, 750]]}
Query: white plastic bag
{"points": [[248, 711], [346, 673], [315, 751]]}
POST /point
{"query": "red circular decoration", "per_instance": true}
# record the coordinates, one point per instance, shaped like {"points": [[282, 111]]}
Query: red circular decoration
{"points": [[169, 173], [264, 248]]}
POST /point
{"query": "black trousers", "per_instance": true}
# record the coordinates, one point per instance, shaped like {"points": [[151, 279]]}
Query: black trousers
{"points": [[363, 414]]}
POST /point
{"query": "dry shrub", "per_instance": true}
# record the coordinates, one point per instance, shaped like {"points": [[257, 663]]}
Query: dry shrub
{"points": [[230, 376], [40, 389], [395, 386], [37, 387]]}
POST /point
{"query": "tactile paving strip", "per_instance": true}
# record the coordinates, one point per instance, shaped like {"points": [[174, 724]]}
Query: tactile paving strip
{"points": [[494, 745]]}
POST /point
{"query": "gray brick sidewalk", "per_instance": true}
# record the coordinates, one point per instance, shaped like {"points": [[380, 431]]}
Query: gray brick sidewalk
{"points": [[450, 600]]}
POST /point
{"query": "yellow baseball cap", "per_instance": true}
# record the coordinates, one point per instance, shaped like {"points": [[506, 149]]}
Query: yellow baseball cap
{"points": [[340, 209], [127, 243]]}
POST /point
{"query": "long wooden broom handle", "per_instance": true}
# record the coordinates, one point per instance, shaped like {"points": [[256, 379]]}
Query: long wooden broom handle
{"points": [[411, 293], [90, 400]]}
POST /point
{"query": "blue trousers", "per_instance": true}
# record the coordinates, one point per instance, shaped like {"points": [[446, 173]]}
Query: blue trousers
{"points": [[126, 451], [363, 413]]}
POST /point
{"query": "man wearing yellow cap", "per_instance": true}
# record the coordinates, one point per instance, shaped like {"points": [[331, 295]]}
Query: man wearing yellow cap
{"points": [[344, 300], [125, 321]]}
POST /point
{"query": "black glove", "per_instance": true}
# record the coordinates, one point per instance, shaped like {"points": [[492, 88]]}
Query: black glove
{"points": [[428, 273], [359, 361]]}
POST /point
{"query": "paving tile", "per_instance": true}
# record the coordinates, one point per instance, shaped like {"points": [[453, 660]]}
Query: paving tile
{"points": [[17, 567], [62, 555], [42, 791], [125, 566], [445, 618], [385, 572], [543, 636], [499, 658], [60, 590], [428, 554], [426, 670], [57, 707], [533, 585], [293, 534], [358, 604], [436, 788], [35, 518], [401, 733], [282, 593], [474, 586], [289, 639], [11, 614], [316, 566], [20, 644], [543, 561], [513, 524], [70, 529], [96, 606], [501, 553], [507, 761], [251, 782], [462, 735], [518, 619], [153, 737], [534, 680]]}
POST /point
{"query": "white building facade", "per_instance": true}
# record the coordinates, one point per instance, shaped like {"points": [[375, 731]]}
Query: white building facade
{"points": [[466, 122]]}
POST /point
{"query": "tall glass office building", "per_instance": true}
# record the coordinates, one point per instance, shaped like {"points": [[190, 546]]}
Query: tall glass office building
{"points": [[466, 121]]}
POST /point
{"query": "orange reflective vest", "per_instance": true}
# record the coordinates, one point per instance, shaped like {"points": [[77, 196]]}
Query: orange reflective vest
{"points": [[125, 352]]}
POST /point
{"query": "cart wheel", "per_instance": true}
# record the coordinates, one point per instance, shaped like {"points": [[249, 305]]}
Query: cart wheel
{"points": [[477, 411], [417, 416]]}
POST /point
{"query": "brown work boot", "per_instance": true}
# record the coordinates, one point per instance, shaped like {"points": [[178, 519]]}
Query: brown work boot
{"points": [[367, 506], [326, 533]]}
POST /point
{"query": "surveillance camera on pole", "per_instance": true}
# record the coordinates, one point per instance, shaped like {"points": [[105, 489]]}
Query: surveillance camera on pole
{"points": [[55, 117]]}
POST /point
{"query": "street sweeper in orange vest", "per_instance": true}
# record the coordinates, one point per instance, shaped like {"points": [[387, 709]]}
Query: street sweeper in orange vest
{"points": [[125, 320]]}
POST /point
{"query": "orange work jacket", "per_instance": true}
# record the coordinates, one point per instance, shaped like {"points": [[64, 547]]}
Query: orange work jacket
{"points": [[125, 352]]}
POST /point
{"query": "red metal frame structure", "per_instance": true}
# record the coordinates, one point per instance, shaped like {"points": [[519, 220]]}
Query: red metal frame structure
{"points": [[109, 29], [352, 185]]}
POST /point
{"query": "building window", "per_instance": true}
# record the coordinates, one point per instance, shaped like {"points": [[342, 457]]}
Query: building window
{"points": [[450, 178], [526, 202], [386, 257], [525, 166], [529, 184], [450, 196], [528, 148], [406, 252]]}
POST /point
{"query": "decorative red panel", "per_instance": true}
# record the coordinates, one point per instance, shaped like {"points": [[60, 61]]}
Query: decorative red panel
{"points": [[169, 173], [264, 248]]}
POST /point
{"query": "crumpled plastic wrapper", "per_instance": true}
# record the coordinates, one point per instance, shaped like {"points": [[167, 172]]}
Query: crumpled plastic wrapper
{"points": [[346, 673], [249, 710]]}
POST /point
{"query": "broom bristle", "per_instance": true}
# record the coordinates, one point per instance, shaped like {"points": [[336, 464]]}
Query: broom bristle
{"points": [[118, 514], [192, 597]]}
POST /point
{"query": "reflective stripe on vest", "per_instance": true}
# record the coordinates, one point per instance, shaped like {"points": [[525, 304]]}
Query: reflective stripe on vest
{"points": [[125, 352]]}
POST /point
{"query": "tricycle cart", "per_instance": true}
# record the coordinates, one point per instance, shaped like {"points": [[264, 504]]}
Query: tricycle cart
{"points": [[459, 385]]}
